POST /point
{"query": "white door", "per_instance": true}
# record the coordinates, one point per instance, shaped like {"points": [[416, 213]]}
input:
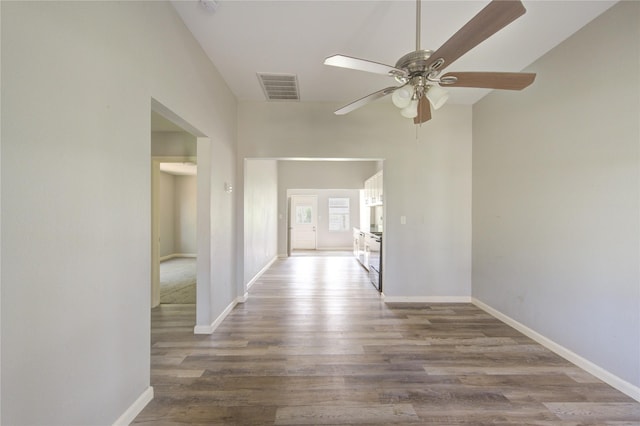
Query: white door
{"points": [[303, 220]]}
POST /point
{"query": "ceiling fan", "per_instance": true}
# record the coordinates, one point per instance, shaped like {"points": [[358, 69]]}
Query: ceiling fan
{"points": [[419, 72]]}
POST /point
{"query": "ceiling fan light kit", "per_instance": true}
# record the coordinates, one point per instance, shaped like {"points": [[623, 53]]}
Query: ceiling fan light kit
{"points": [[418, 72], [411, 110], [402, 97], [437, 96]]}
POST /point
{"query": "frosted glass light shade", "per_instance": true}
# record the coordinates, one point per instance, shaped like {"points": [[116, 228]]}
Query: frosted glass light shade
{"points": [[402, 97], [410, 111], [437, 96]]}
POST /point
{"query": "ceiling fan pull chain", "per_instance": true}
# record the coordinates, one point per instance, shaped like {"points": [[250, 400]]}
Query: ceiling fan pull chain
{"points": [[418, 127]]}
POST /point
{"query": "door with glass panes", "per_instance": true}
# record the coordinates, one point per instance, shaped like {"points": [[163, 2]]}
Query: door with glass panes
{"points": [[303, 220]]}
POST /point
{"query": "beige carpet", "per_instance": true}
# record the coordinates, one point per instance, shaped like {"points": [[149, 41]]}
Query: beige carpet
{"points": [[178, 280]]}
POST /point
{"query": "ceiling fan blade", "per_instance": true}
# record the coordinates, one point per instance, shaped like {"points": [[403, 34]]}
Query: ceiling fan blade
{"points": [[363, 101], [424, 111], [492, 80], [363, 65], [495, 16]]}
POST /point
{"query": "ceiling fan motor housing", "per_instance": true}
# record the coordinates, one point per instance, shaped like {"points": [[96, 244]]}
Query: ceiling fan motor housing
{"points": [[417, 64], [421, 71], [415, 61]]}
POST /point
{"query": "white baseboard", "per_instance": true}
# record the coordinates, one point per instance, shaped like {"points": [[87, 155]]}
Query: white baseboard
{"points": [[243, 298], [349, 248], [208, 329], [259, 274], [174, 255], [285, 255], [599, 372], [427, 299], [138, 405]]}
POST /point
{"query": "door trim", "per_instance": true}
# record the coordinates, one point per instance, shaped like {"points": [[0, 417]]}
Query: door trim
{"points": [[292, 218]]}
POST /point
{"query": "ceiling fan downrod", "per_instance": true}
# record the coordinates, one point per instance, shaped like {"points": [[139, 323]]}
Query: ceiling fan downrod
{"points": [[415, 63], [418, 4], [420, 78]]}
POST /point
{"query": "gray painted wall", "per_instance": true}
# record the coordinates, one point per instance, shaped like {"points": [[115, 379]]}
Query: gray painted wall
{"points": [[177, 214], [318, 175], [78, 80], [185, 207], [260, 215], [166, 213], [173, 144], [428, 181], [556, 195]]}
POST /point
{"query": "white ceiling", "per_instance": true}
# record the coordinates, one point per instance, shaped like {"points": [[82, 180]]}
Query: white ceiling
{"points": [[293, 37]]}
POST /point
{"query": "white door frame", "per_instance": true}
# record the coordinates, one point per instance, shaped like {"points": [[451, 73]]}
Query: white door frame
{"points": [[203, 263]]}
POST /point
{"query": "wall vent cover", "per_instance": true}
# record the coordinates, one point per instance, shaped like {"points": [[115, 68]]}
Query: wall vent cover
{"points": [[279, 87]]}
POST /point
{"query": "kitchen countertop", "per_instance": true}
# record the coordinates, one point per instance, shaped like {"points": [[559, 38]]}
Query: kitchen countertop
{"points": [[374, 233]]}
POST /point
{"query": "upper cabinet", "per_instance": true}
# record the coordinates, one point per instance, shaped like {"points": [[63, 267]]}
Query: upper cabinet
{"points": [[373, 190], [380, 186]]}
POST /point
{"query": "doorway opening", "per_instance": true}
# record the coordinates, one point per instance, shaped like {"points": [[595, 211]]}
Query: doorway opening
{"points": [[177, 230], [165, 127], [269, 212], [174, 213]]}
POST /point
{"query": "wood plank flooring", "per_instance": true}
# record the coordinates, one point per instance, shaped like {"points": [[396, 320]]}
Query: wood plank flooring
{"points": [[314, 344]]}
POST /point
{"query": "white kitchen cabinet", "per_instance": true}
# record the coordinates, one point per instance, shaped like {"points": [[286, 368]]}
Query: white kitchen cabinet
{"points": [[373, 190], [373, 182], [368, 190], [359, 240], [356, 243], [367, 253]]}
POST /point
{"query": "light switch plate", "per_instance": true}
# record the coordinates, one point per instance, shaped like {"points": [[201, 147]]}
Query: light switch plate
{"points": [[403, 220]]}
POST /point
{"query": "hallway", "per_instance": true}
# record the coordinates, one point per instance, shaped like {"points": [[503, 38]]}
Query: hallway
{"points": [[315, 344]]}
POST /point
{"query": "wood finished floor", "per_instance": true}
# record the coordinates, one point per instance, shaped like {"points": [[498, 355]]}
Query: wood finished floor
{"points": [[314, 344]]}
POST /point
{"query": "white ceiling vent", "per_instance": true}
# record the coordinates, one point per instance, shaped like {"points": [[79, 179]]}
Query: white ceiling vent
{"points": [[279, 87]]}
